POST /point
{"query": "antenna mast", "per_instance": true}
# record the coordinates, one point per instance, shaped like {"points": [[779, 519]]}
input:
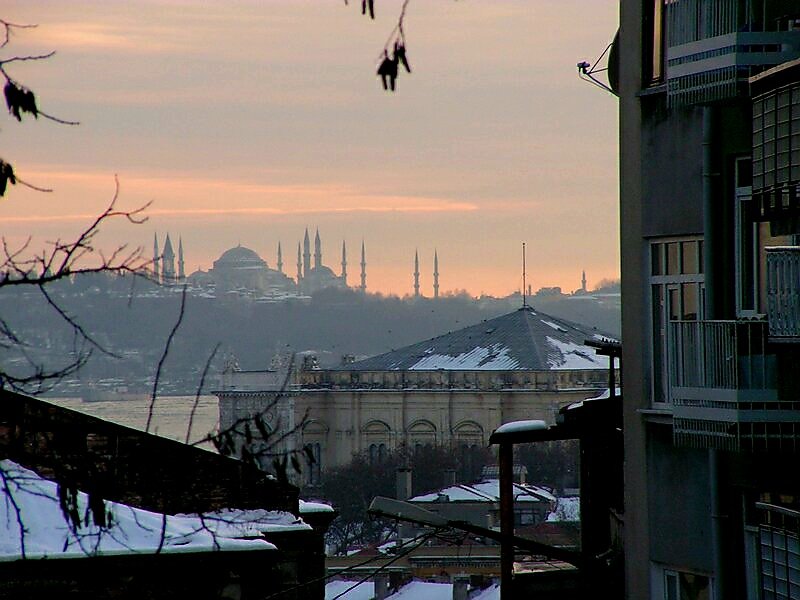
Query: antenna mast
{"points": [[524, 279]]}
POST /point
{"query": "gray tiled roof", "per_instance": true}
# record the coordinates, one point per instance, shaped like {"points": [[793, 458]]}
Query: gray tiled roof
{"points": [[525, 340]]}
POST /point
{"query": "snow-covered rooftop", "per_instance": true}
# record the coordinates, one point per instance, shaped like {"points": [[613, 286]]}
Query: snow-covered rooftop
{"points": [[567, 509], [486, 491], [314, 507], [414, 590], [31, 501], [524, 340]]}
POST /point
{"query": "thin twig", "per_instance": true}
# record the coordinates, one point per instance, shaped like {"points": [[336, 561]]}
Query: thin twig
{"points": [[200, 390], [163, 358]]}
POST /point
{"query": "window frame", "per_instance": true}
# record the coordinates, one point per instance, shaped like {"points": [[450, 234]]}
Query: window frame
{"points": [[658, 251]]}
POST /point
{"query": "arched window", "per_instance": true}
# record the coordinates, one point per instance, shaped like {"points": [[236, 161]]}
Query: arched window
{"points": [[421, 433], [315, 468], [382, 453], [315, 434]]}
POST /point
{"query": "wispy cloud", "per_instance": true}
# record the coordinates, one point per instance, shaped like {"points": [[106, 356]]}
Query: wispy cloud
{"points": [[198, 197]]}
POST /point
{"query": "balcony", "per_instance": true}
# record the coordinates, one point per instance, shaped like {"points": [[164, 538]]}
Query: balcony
{"points": [[783, 293], [723, 386], [712, 49]]}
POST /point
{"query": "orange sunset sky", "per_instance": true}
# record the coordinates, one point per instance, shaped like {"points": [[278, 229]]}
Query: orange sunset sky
{"points": [[245, 122]]}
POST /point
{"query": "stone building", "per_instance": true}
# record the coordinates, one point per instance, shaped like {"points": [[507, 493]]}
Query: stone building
{"points": [[450, 390]]}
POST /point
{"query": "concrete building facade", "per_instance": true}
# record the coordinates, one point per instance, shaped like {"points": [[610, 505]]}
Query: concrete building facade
{"points": [[709, 174]]}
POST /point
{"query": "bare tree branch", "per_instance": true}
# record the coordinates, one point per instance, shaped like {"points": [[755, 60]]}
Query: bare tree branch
{"points": [[200, 391], [163, 359]]}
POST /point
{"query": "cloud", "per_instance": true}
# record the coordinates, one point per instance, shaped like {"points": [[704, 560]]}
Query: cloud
{"points": [[195, 196]]}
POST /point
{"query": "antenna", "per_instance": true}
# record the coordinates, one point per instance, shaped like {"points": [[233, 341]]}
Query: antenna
{"points": [[524, 281]]}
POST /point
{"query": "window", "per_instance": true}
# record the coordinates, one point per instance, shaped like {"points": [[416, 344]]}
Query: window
{"points": [[654, 42], [676, 294], [748, 242], [378, 454], [679, 585], [315, 468]]}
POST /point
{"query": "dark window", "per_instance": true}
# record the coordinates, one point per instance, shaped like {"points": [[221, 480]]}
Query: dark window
{"points": [[656, 254], [689, 263], [673, 262]]}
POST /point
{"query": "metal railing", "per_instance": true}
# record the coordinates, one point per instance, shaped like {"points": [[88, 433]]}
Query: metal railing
{"points": [[729, 355], [783, 291], [713, 46], [692, 20]]}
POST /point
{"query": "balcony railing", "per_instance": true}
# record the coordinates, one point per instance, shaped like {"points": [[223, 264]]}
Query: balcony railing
{"points": [[728, 357], [713, 48], [723, 386], [783, 292]]}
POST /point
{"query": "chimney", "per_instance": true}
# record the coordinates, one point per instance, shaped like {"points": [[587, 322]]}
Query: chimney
{"points": [[381, 586], [449, 477], [460, 587], [403, 483]]}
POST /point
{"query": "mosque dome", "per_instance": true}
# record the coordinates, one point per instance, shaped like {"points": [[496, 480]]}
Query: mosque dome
{"points": [[239, 258]]}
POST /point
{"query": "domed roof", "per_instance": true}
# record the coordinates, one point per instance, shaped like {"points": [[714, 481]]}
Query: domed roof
{"points": [[239, 258], [525, 340], [321, 271]]}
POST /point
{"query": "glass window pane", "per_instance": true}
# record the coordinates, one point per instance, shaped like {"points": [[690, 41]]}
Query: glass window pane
{"points": [[689, 301], [688, 257], [674, 302], [656, 257], [673, 265]]}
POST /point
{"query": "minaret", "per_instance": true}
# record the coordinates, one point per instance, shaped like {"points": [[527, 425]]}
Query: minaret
{"points": [[306, 255], [363, 286], [181, 272], [317, 251], [168, 263], [344, 263], [299, 265], [416, 274], [583, 281], [435, 274], [156, 258], [280, 259]]}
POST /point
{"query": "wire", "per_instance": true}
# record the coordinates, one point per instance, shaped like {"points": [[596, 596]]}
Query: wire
{"points": [[382, 567], [423, 538]]}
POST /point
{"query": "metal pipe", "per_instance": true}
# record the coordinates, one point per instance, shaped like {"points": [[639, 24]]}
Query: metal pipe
{"points": [[712, 247], [506, 460]]}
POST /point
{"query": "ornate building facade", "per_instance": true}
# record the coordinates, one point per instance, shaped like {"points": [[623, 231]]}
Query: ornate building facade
{"points": [[452, 390]]}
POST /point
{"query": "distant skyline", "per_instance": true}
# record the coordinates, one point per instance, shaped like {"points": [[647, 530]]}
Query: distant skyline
{"points": [[245, 122], [332, 257]]}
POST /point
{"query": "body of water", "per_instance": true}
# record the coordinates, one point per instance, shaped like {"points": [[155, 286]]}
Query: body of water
{"points": [[171, 414]]}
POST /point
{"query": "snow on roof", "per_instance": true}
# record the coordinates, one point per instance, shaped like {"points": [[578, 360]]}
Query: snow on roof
{"points": [[494, 358], [604, 395], [567, 509], [521, 426], [238, 523], [48, 535], [554, 326], [521, 340], [486, 491], [414, 590], [364, 591], [314, 507], [575, 356], [490, 593], [423, 590]]}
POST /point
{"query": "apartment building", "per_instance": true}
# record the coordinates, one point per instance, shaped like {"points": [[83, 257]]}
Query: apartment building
{"points": [[709, 94]]}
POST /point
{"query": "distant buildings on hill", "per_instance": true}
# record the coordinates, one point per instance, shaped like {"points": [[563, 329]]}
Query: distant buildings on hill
{"points": [[241, 272]]}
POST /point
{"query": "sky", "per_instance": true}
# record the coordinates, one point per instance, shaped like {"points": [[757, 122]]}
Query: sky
{"points": [[246, 122]]}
